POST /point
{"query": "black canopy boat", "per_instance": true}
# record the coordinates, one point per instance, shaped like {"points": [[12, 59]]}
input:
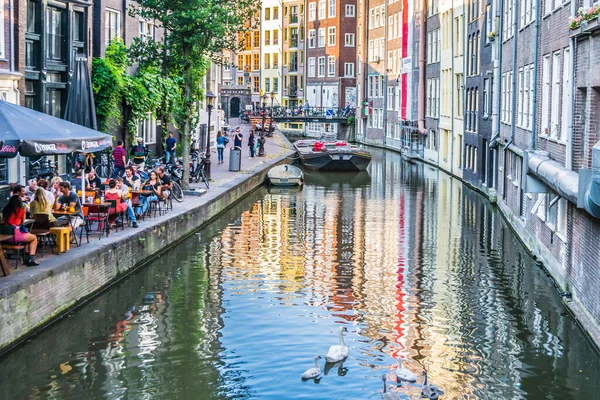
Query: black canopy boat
{"points": [[338, 155]]}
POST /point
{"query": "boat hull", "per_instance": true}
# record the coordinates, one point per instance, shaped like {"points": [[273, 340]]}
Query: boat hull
{"points": [[335, 161], [285, 175]]}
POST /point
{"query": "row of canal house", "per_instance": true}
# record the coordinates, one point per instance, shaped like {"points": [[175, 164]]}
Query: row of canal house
{"points": [[504, 95], [39, 43]]}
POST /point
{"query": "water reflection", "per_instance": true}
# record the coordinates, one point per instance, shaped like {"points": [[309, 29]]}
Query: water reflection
{"points": [[415, 266]]}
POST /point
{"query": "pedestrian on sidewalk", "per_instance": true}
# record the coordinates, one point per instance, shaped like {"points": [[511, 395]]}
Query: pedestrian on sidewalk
{"points": [[170, 149], [119, 156], [237, 141], [221, 143], [139, 152], [251, 143]]}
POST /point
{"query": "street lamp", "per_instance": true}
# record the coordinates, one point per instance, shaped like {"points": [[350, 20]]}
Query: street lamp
{"points": [[269, 133], [210, 99], [262, 140]]}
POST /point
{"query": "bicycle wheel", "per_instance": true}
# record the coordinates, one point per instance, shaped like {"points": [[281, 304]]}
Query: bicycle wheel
{"points": [[177, 192], [203, 176]]}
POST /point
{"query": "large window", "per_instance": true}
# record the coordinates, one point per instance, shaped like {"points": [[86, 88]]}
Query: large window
{"points": [[556, 77], [112, 25], [349, 40], [312, 11], [311, 67], [55, 32], [321, 66], [332, 8], [349, 69], [321, 37], [331, 36], [312, 38], [331, 66], [322, 9], [350, 10], [147, 129]]}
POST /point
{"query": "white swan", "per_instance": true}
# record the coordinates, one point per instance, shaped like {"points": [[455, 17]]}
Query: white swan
{"points": [[338, 352], [312, 373], [388, 395], [429, 391], [404, 373]]}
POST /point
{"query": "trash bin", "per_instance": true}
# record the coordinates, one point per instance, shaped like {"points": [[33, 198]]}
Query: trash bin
{"points": [[235, 159]]}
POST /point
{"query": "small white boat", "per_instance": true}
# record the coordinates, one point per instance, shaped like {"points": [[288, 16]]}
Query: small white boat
{"points": [[285, 175]]}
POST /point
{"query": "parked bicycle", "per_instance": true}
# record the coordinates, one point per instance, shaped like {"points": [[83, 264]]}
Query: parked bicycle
{"points": [[197, 172], [106, 167], [176, 173], [42, 168]]}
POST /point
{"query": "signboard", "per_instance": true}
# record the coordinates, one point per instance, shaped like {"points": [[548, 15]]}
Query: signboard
{"points": [[248, 107], [329, 114]]}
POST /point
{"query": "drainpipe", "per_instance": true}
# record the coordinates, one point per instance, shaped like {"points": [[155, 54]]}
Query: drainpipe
{"points": [[514, 81], [384, 77], [569, 150], [422, 66], [366, 72], [536, 51], [452, 80], [499, 29], [11, 19]]}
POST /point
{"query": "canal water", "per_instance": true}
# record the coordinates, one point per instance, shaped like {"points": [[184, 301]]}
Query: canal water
{"points": [[410, 261]]}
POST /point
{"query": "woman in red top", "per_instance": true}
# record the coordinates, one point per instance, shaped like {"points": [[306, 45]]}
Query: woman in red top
{"points": [[14, 214]]}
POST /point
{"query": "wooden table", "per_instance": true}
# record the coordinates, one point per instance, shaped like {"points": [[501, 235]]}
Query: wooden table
{"points": [[142, 192], [3, 264]]}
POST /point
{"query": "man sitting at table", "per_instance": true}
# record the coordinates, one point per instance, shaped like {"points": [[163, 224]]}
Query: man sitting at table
{"points": [[131, 180], [32, 186], [69, 199], [165, 180], [75, 181], [93, 181]]}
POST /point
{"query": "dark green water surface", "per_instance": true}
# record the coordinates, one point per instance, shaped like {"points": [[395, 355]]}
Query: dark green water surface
{"points": [[410, 261]]}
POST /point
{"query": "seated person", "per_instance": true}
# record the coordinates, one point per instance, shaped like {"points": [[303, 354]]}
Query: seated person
{"points": [[131, 179], [14, 215], [113, 193], [93, 181], [165, 180], [153, 185], [69, 199], [41, 205], [32, 186], [49, 195], [75, 181]]}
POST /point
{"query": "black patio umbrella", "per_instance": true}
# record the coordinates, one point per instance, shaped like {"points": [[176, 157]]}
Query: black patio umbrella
{"points": [[32, 133], [80, 108]]}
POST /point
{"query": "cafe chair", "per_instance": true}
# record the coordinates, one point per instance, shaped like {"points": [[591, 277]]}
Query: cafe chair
{"points": [[115, 218], [98, 215], [41, 229], [17, 248]]}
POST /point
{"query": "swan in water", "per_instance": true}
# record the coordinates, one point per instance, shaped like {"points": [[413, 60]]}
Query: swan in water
{"points": [[338, 352], [388, 395], [429, 391], [404, 373], [312, 373]]}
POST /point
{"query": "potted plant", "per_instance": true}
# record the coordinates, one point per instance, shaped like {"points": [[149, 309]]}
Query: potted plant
{"points": [[492, 36]]}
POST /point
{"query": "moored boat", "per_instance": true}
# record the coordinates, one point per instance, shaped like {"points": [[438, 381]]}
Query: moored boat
{"points": [[285, 175], [338, 155]]}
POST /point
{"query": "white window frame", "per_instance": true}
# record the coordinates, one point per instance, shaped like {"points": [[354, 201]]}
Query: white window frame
{"points": [[322, 9], [311, 67], [312, 11], [555, 93], [107, 23], [350, 10], [321, 67], [566, 92], [331, 36], [349, 40], [332, 8], [147, 129], [321, 38], [545, 123], [349, 69], [331, 66], [312, 38]]}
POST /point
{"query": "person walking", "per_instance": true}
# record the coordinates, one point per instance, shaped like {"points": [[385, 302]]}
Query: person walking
{"points": [[237, 140], [139, 152], [119, 159], [221, 143], [251, 143], [170, 149]]}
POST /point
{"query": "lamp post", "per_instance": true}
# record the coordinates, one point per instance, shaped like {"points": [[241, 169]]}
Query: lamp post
{"points": [[262, 140], [210, 98], [269, 132]]}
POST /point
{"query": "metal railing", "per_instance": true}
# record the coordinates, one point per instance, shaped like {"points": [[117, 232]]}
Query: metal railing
{"points": [[317, 112]]}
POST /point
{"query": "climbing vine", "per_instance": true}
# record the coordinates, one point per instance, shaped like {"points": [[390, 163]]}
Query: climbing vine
{"points": [[108, 80]]}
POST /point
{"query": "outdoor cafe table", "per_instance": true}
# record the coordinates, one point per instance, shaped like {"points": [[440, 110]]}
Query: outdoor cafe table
{"points": [[3, 263]]}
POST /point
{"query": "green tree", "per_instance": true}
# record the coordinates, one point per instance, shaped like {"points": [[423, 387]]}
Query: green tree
{"points": [[196, 31]]}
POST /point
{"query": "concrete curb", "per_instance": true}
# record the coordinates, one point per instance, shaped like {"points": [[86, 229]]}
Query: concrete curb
{"points": [[35, 298]]}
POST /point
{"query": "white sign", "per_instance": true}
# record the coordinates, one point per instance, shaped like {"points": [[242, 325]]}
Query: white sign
{"points": [[406, 65], [248, 107]]}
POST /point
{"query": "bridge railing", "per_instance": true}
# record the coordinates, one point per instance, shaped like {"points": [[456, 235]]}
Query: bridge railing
{"points": [[300, 111]]}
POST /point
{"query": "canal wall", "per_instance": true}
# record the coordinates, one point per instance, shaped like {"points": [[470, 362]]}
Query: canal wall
{"points": [[35, 298]]}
